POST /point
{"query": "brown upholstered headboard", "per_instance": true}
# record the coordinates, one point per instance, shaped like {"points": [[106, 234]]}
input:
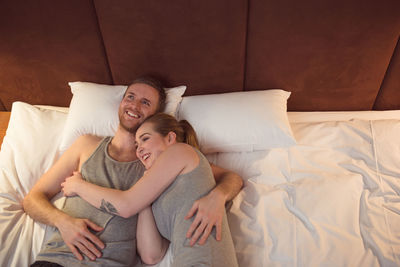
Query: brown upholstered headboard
{"points": [[332, 55]]}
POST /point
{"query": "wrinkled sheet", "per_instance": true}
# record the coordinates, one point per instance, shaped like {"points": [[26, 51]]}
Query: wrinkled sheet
{"points": [[28, 150], [331, 200]]}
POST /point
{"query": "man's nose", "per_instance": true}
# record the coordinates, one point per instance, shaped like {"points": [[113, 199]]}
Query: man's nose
{"points": [[133, 104], [137, 104]]}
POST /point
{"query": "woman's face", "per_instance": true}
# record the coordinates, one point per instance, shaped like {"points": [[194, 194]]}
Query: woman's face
{"points": [[150, 144]]}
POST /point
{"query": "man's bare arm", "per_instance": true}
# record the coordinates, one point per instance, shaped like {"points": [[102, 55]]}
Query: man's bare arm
{"points": [[229, 183], [37, 205], [74, 231], [37, 202]]}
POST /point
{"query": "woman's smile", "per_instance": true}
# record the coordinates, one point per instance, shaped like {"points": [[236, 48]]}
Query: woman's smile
{"points": [[150, 144]]}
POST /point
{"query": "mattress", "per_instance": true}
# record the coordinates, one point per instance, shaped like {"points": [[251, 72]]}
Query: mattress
{"points": [[330, 200]]}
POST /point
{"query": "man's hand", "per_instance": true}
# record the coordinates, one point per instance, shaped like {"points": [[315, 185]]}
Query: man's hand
{"points": [[210, 210], [76, 235]]}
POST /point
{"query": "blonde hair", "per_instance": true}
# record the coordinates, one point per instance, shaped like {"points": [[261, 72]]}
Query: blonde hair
{"points": [[164, 123]]}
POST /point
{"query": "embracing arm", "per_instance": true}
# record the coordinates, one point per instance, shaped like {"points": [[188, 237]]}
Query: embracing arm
{"points": [[229, 183], [210, 209], [106, 199], [38, 206], [37, 202], [127, 203]]}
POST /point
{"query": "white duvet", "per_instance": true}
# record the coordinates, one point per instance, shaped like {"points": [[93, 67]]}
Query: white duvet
{"points": [[331, 200]]}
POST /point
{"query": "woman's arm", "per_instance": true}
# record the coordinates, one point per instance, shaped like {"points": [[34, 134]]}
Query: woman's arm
{"points": [[168, 165], [151, 246]]}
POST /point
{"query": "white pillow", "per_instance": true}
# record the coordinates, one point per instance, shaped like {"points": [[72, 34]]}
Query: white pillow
{"points": [[240, 121], [29, 148], [94, 109]]}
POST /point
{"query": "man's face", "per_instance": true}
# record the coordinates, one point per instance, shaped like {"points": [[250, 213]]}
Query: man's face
{"points": [[140, 101]]}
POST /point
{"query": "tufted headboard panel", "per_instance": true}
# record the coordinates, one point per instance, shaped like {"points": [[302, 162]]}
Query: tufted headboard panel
{"points": [[332, 55], [44, 45], [335, 55], [199, 43]]}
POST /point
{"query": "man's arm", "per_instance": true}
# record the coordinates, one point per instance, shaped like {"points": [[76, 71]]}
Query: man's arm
{"points": [[229, 183], [37, 204], [210, 209]]}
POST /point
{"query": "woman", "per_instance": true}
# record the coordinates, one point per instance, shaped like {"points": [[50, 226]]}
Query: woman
{"points": [[177, 174]]}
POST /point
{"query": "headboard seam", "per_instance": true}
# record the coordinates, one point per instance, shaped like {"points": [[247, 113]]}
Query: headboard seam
{"points": [[245, 45], [396, 48], [102, 42]]}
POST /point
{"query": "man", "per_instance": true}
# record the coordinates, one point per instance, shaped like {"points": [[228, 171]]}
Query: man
{"points": [[143, 98]]}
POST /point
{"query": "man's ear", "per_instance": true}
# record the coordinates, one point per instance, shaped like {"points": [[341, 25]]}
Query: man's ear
{"points": [[171, 137]]}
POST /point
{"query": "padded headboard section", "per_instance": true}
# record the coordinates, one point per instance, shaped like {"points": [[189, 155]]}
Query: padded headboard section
{"points": [[332, 55], [44, 45], [198, 43]]}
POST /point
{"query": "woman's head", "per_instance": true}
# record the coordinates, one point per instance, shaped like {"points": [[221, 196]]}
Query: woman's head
{"points": [[160, 131]]}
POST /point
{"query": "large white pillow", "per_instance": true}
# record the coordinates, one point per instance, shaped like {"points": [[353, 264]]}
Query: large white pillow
{"points": [[29, 148], [240, 121], [94, 109]]}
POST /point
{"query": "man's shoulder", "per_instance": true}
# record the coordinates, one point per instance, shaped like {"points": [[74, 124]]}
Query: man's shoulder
{"points": [[84, 146], [87, 141], [90, 138]]}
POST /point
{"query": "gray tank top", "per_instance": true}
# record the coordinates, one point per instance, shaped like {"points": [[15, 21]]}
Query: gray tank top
{"points": [[119, 234], [172, 206]]}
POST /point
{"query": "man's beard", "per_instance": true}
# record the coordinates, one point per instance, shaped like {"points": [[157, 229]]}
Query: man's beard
{"points": [[131, 130]]}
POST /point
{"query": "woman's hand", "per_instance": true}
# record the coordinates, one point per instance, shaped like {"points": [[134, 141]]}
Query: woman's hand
{"points": [[69, 187]]}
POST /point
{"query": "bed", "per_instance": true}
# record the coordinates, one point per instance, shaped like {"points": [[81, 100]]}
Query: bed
{"points": [[301, 99]]}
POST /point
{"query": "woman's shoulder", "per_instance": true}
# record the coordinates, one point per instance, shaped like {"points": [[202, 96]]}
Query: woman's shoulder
{"points": [[181, 148], [186, 154], [183, 151]]}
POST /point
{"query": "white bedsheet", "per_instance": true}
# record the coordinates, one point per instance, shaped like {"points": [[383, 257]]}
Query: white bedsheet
{"points": [[332, 200], [29, 148]]}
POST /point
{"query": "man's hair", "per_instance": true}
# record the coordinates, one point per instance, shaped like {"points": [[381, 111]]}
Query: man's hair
{"points": [[156, 84]]}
